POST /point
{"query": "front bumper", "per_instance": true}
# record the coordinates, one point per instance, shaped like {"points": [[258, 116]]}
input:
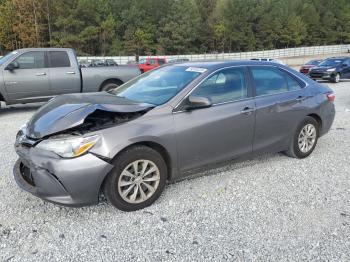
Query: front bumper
{"points": [[68, 182], [321, 75]]}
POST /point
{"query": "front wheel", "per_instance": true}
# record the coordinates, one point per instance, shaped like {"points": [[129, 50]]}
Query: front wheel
{"points": [[137, 180], [305, 139], [336, 78]]}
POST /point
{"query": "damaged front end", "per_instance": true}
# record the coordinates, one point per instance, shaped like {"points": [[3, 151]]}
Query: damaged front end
{"points": [[102, 119], [55, 162]]}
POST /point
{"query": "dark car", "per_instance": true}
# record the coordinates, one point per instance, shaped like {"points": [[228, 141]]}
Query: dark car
{"points": [[127, 143], [332, 69], [304, 69]]}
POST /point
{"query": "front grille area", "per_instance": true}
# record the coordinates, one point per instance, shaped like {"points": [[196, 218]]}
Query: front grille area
{"points": [[26, 174], [318, 75]]}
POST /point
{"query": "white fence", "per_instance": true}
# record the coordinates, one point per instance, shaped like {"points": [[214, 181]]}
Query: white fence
{"points": [[277, 53]]}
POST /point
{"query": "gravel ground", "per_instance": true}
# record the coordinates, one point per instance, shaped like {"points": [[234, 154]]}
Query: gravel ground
{"points": [[269, 208]]}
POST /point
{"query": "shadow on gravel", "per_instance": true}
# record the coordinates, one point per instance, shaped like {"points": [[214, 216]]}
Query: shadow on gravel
{"points": [[19, 109]]}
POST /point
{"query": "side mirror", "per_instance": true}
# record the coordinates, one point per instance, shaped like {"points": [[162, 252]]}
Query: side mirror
{"points": [[197, 102], [12, 66]]}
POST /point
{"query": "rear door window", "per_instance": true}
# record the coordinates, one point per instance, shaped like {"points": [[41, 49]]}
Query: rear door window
{"points": [[59, 59], [268, 81], [293, 84], [31, 60]]}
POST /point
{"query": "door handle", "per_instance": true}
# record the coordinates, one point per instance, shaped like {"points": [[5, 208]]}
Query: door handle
{"points": [[70, 73], [247, 110], [300, 98], [40, 74]]}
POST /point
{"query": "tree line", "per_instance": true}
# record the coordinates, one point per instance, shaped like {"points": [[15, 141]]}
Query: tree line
{"points": [[120, 27]]}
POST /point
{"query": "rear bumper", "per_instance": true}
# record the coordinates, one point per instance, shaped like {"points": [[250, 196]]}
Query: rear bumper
{"points": [[328, 115], [69, 182]]}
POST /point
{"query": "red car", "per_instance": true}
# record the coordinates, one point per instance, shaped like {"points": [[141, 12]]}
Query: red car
{"points": [[147, 64], [305, 69]]}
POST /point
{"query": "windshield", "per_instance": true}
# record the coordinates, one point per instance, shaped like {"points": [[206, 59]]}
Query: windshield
{"points": [[331, 62], [313, 62], [158, 86], [7, 57], [142, 61]]}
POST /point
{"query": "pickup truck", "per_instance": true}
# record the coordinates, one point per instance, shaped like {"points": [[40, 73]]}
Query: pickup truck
{"points": [[147, 64], [38, 74]]}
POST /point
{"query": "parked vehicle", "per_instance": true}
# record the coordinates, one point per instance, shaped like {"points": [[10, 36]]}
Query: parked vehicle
{"points": [[307, 66], [147, 64], [84, 63], [156, 128], [102, 62], [178, 60], [38, 74], [333, 69], [268, 60]]}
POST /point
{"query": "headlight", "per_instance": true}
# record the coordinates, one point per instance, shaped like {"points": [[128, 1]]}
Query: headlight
{"points": [[69, 147], [331, 70]]}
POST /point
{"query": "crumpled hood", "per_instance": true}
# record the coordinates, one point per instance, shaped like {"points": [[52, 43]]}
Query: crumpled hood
{"points": [[67, 111]]}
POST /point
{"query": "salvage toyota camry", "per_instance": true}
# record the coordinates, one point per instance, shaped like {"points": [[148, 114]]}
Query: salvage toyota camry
{"points": [[128, 142]]}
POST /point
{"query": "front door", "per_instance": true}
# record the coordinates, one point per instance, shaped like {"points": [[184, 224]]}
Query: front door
{"points": [[222, 131], [346, 69], [29, 80]]}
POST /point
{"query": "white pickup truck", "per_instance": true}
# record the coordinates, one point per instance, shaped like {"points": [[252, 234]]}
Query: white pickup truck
{"points": [[38, 74]]}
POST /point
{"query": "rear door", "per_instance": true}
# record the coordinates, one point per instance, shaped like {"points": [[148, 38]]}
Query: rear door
{"points": [[281, 102], [30, 80], [64, 75], [221, 132]]}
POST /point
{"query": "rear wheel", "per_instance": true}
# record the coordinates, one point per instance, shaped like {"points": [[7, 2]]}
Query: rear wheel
{"points": [[110, 85], [305, 139], [137, 180]]}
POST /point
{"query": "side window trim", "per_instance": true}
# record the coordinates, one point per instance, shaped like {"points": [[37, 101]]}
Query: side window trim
{"points": [[250, 87]]}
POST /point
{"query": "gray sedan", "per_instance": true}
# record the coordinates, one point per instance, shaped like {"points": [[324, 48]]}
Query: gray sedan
{"points": [[128, 142]]}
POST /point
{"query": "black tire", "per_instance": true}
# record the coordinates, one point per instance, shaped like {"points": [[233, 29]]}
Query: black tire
{"points": [[335, 78], [294, 150], [109, 86], [127, 157]]}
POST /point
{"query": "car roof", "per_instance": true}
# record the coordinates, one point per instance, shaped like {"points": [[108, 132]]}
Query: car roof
{"points": [[213, 64], [43, 49]]}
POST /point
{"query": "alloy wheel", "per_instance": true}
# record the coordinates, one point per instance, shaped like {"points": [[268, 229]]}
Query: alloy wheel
{"points": [[307, 138], [138, 181]]}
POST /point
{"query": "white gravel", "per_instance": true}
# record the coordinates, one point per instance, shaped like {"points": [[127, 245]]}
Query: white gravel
{"points": [[271, 208]]}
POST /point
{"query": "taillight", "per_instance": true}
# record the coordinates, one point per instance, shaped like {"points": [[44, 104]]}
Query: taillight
{"points": [[331, 97]]}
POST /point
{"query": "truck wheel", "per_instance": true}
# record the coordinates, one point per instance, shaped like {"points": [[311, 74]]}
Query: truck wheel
{"points": [[137, 179], [109, 86]]}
